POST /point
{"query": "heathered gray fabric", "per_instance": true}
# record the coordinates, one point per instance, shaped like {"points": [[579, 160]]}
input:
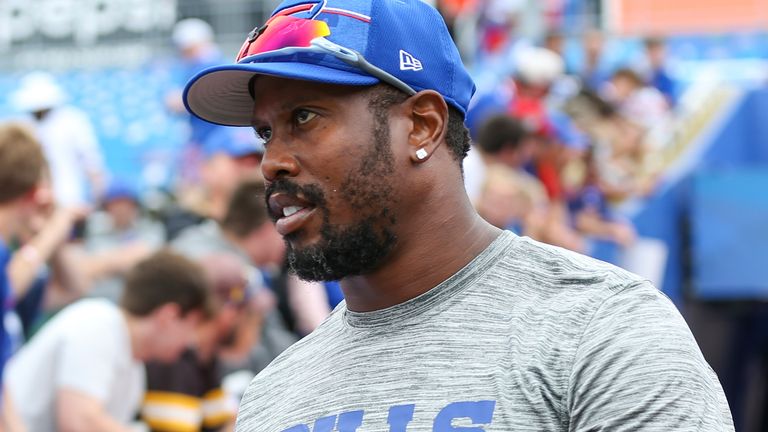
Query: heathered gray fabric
{"points": [[527, 337]]}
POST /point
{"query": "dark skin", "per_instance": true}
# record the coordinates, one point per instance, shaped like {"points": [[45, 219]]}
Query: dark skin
{"points": [[317, 133]]}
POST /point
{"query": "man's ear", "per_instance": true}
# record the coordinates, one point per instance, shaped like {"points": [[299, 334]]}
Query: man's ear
{"points": [[429, 114]]}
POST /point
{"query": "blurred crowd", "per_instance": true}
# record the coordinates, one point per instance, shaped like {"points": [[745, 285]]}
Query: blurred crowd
{"points": [[120, 317], [558, 147]]}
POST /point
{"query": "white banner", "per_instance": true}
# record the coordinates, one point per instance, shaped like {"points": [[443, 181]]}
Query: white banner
{"points": [[84, 22]]}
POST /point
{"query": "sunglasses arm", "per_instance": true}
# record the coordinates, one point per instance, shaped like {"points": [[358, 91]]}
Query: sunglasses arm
{"points": [[354, 58]]}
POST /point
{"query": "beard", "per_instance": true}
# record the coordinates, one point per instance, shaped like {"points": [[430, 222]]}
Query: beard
{"points": [[360, 247], [342, 252]]}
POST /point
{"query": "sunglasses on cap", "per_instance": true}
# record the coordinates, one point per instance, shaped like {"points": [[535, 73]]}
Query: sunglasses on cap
{"points": [[288, 35]]}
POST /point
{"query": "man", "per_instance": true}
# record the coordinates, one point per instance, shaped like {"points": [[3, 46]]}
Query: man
{"points": [[187, 394], [22, 169], [197, 50], [247, 232], [116, 238], [449, 323], [659, 77], [83, 371], [230, 156], [68, 139]]}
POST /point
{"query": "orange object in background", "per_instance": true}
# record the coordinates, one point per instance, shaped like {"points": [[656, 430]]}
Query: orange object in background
{"points": [[660, 17], [456, 7]]}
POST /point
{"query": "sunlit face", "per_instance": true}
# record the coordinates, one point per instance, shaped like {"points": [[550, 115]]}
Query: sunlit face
{"points": [[502, 204], [224, 323], [266, 248], [172, 334], [222, 173], [35, 209], [622, 88], [124, 212], [330, 172]]}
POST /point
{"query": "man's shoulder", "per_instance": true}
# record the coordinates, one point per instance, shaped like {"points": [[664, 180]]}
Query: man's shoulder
{"points": [[92, 307], [82, 328], [103, 317], [543, 283], [552, 270]]}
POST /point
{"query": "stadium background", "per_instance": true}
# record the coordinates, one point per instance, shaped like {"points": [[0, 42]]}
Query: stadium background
{"points": [[115, 60]]}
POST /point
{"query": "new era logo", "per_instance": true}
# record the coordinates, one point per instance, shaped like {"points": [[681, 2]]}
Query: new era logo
{"points": [[409, 62]]}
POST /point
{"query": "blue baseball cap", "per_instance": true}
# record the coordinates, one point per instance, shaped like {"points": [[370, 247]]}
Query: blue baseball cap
{"points": [[234, 142], [405, 38], [121, 188]]}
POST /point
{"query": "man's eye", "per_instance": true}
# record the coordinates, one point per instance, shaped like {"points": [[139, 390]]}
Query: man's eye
{"points": [[303, 116], [264, 134]]}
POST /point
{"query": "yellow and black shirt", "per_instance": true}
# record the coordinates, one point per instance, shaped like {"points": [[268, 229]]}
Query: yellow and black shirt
{"points": [[185, 396]]}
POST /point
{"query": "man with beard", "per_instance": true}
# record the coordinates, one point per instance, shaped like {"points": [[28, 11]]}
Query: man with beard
{"points": [[448, 322]]}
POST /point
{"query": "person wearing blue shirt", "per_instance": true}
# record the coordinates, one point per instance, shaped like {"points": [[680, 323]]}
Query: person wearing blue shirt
{"points": [[7, 299], [659, 77], [22, 166]]}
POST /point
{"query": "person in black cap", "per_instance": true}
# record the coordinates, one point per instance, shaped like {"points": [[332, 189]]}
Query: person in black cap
{"points": [[449, 323]]}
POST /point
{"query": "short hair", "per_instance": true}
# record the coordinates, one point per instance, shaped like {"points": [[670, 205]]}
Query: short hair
{"points": [[587, 101], [629, 74], [384, 96], [654, 42], [22, 163], [162, 278], [499, 132], [247, 210]]}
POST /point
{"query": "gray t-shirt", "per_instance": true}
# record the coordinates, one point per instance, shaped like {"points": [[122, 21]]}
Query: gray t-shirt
{"points": [[526, 337]]}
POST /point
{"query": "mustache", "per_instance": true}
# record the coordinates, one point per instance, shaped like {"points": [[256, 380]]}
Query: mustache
{"points": [[312, 193]]}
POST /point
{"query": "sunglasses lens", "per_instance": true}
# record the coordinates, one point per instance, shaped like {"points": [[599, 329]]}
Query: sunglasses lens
{"points": [[284, 32]]}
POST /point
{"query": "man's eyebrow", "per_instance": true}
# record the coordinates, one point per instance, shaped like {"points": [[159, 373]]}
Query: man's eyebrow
{"points": [[291, 104]]}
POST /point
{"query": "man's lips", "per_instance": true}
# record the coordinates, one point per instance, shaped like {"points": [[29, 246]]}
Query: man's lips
{"points": [[289, 212]]}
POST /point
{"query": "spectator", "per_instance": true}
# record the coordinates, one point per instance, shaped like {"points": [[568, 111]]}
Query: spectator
{"points": [[618, 150], [230, 156], [116, 239], [592, 217], [41, 255], [513, 200], [636, 101], [593, 72], [508, 141], [84, 371], [658, 76], [68, 140], [246, 231], [197, 49], [187, 394], [194, 42], [554, 41], [22, 167], [527, 96]]}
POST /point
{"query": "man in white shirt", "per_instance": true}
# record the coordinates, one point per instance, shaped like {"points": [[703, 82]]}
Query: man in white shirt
{"points": [[67, 137], [84, 371]]}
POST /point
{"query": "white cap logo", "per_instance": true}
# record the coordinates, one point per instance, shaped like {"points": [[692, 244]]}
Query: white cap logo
{"points": [[409, 62]]}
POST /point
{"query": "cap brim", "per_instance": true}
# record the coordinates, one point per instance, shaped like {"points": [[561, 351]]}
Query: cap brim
{"points": [[220, 94]]}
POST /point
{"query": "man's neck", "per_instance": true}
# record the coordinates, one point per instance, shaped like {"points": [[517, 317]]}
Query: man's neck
{"points": [[137, 334], [428, 253]]}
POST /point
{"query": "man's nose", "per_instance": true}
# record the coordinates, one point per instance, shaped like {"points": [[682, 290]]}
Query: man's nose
{"points": [[278, 162]]}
